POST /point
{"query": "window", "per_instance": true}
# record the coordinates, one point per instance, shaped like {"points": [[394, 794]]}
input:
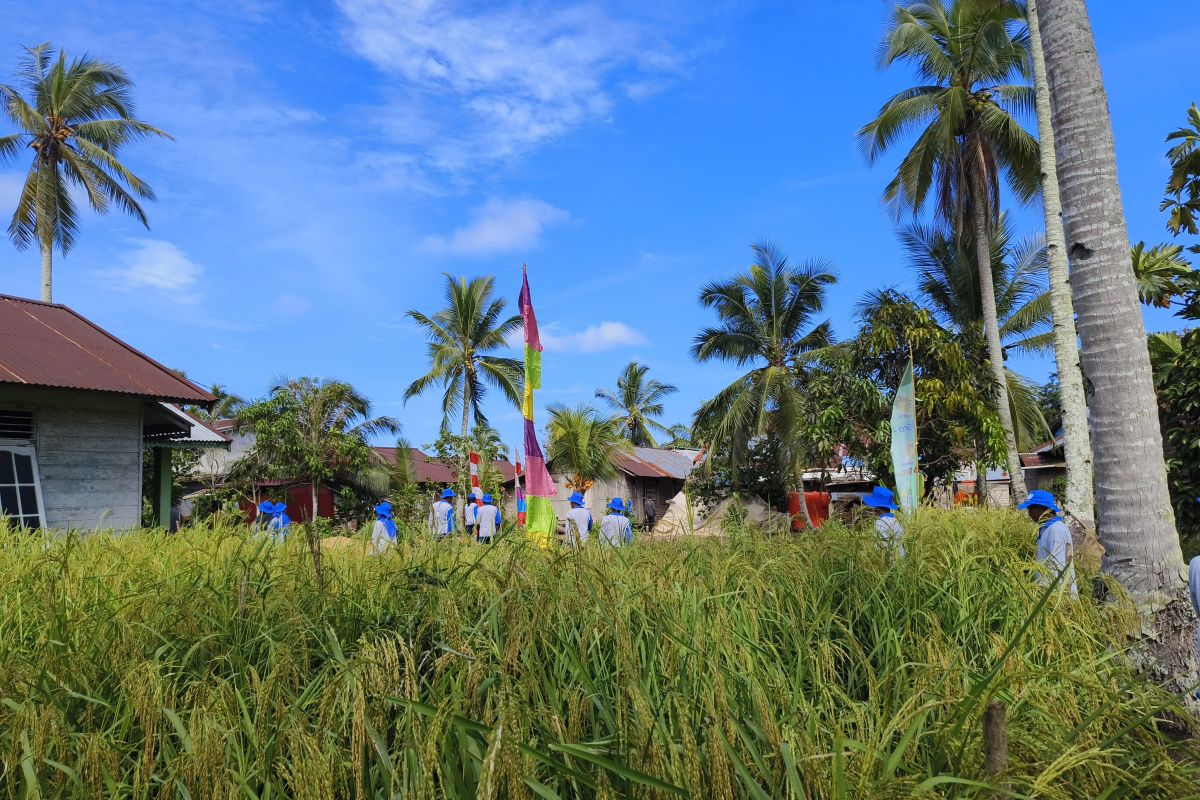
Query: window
{"points": [[20, 491], [16, 426]]}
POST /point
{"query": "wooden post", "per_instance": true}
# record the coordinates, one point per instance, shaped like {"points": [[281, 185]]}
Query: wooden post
{"points": [[161, 500], [995, 740]]}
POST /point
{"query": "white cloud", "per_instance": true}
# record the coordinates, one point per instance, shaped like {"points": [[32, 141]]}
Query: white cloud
{"points": [[519, 74], [157, 266], [603, 336], [500, 226]]}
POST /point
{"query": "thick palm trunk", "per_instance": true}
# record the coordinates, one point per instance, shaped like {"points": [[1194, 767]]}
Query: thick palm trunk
{"points": [[47, 273], [1077, 444], [991, 332], [1133, 509]]}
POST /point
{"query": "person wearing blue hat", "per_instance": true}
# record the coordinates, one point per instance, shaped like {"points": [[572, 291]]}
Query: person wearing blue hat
{"points": [[262, 520], [280, 522], [441, 516], [383, 532], [883, 503], [1055, 548], [487, 520], [579, 522], [615, 528]]}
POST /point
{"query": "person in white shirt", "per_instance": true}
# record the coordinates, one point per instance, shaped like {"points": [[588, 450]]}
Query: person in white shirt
{"points": [[487, 521], [579, 522], [471, 515], [883, 503], [441, 516], [262, 520], [383, 532], [1055, 547], [615, 528]]}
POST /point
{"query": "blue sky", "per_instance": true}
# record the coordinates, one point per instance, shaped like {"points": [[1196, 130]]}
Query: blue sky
{"points": [[332, 159]]}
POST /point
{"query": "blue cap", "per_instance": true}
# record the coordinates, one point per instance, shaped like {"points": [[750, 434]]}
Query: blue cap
{"points": [[280, 508], [1042, 498], [447, 494], [266, 507], [616, 505], [576, 499], [487, 499], [881, 498], [384, 509]]}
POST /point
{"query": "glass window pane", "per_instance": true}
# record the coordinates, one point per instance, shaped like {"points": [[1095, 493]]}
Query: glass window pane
{"points": [[6, 467], [24, 468], [28, 500], [8, 500], [30, 522]]}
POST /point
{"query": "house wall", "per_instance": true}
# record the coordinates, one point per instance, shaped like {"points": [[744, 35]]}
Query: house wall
{"points": [[89, 454]]}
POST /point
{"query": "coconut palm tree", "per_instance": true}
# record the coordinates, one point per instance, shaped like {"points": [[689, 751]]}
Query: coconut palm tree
{"points": [[227, 406], [948, 285], [75, 116], [638, 401], [1077, 445], [766, 325], [1133, 507], [581, 444], [463, 338], [969, 140]]}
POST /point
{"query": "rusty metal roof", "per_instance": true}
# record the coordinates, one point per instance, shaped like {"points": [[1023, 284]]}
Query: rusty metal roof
{"points": [[44, 344], [429, 470], [652, 462]]}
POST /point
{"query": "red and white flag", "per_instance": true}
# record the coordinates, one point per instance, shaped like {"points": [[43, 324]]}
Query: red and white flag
{"points": [[476, 491]]}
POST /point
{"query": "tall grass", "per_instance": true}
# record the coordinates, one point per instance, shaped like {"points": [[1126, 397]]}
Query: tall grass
{"points": [[209, 665]]}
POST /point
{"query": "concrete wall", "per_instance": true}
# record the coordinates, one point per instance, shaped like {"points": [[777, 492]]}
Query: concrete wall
{"points": [[89, 454]]}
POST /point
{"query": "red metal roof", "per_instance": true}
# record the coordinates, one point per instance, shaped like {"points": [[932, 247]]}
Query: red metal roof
{"points": [[44, 344], [428, 470]]}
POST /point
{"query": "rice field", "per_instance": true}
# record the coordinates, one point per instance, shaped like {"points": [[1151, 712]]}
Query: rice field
{"points": [[210, 665]]}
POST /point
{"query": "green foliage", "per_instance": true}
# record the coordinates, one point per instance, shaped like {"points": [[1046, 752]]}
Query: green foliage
{"points": [[955, 422], [582, 442], [1049, 399], [762, 472], [313, 431], [212, 665], [1176, 362], [454, 452], [637, 402], [1162, 273], [1183, 187], [681, 438], [947, 272], [765, 324]]}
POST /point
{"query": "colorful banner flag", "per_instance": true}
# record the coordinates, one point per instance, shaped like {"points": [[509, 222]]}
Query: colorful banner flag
{"points": [[540, 520], [904, 443]]}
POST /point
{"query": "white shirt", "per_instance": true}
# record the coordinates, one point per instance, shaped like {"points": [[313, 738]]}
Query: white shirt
{"points": [[1055, 549], [579, 525], [487, 521], [890, 531], [1194, 591], [441, 518], [472, 513], [380, 540], [615, 528]]}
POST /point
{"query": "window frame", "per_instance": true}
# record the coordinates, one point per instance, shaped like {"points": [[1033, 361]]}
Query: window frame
{"points": [[31, 451]]}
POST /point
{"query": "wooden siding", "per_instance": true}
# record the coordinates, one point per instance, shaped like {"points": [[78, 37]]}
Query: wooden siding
{"points": [[89, 452]]}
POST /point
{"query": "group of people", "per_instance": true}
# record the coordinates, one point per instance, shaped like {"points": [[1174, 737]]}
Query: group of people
{"points": [[1055, 547], [483, 520]]}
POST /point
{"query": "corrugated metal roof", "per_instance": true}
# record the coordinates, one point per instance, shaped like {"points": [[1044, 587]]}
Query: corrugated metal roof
{"points": [[429, 470], [43, 344], [652, 462], [188, 432]]}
